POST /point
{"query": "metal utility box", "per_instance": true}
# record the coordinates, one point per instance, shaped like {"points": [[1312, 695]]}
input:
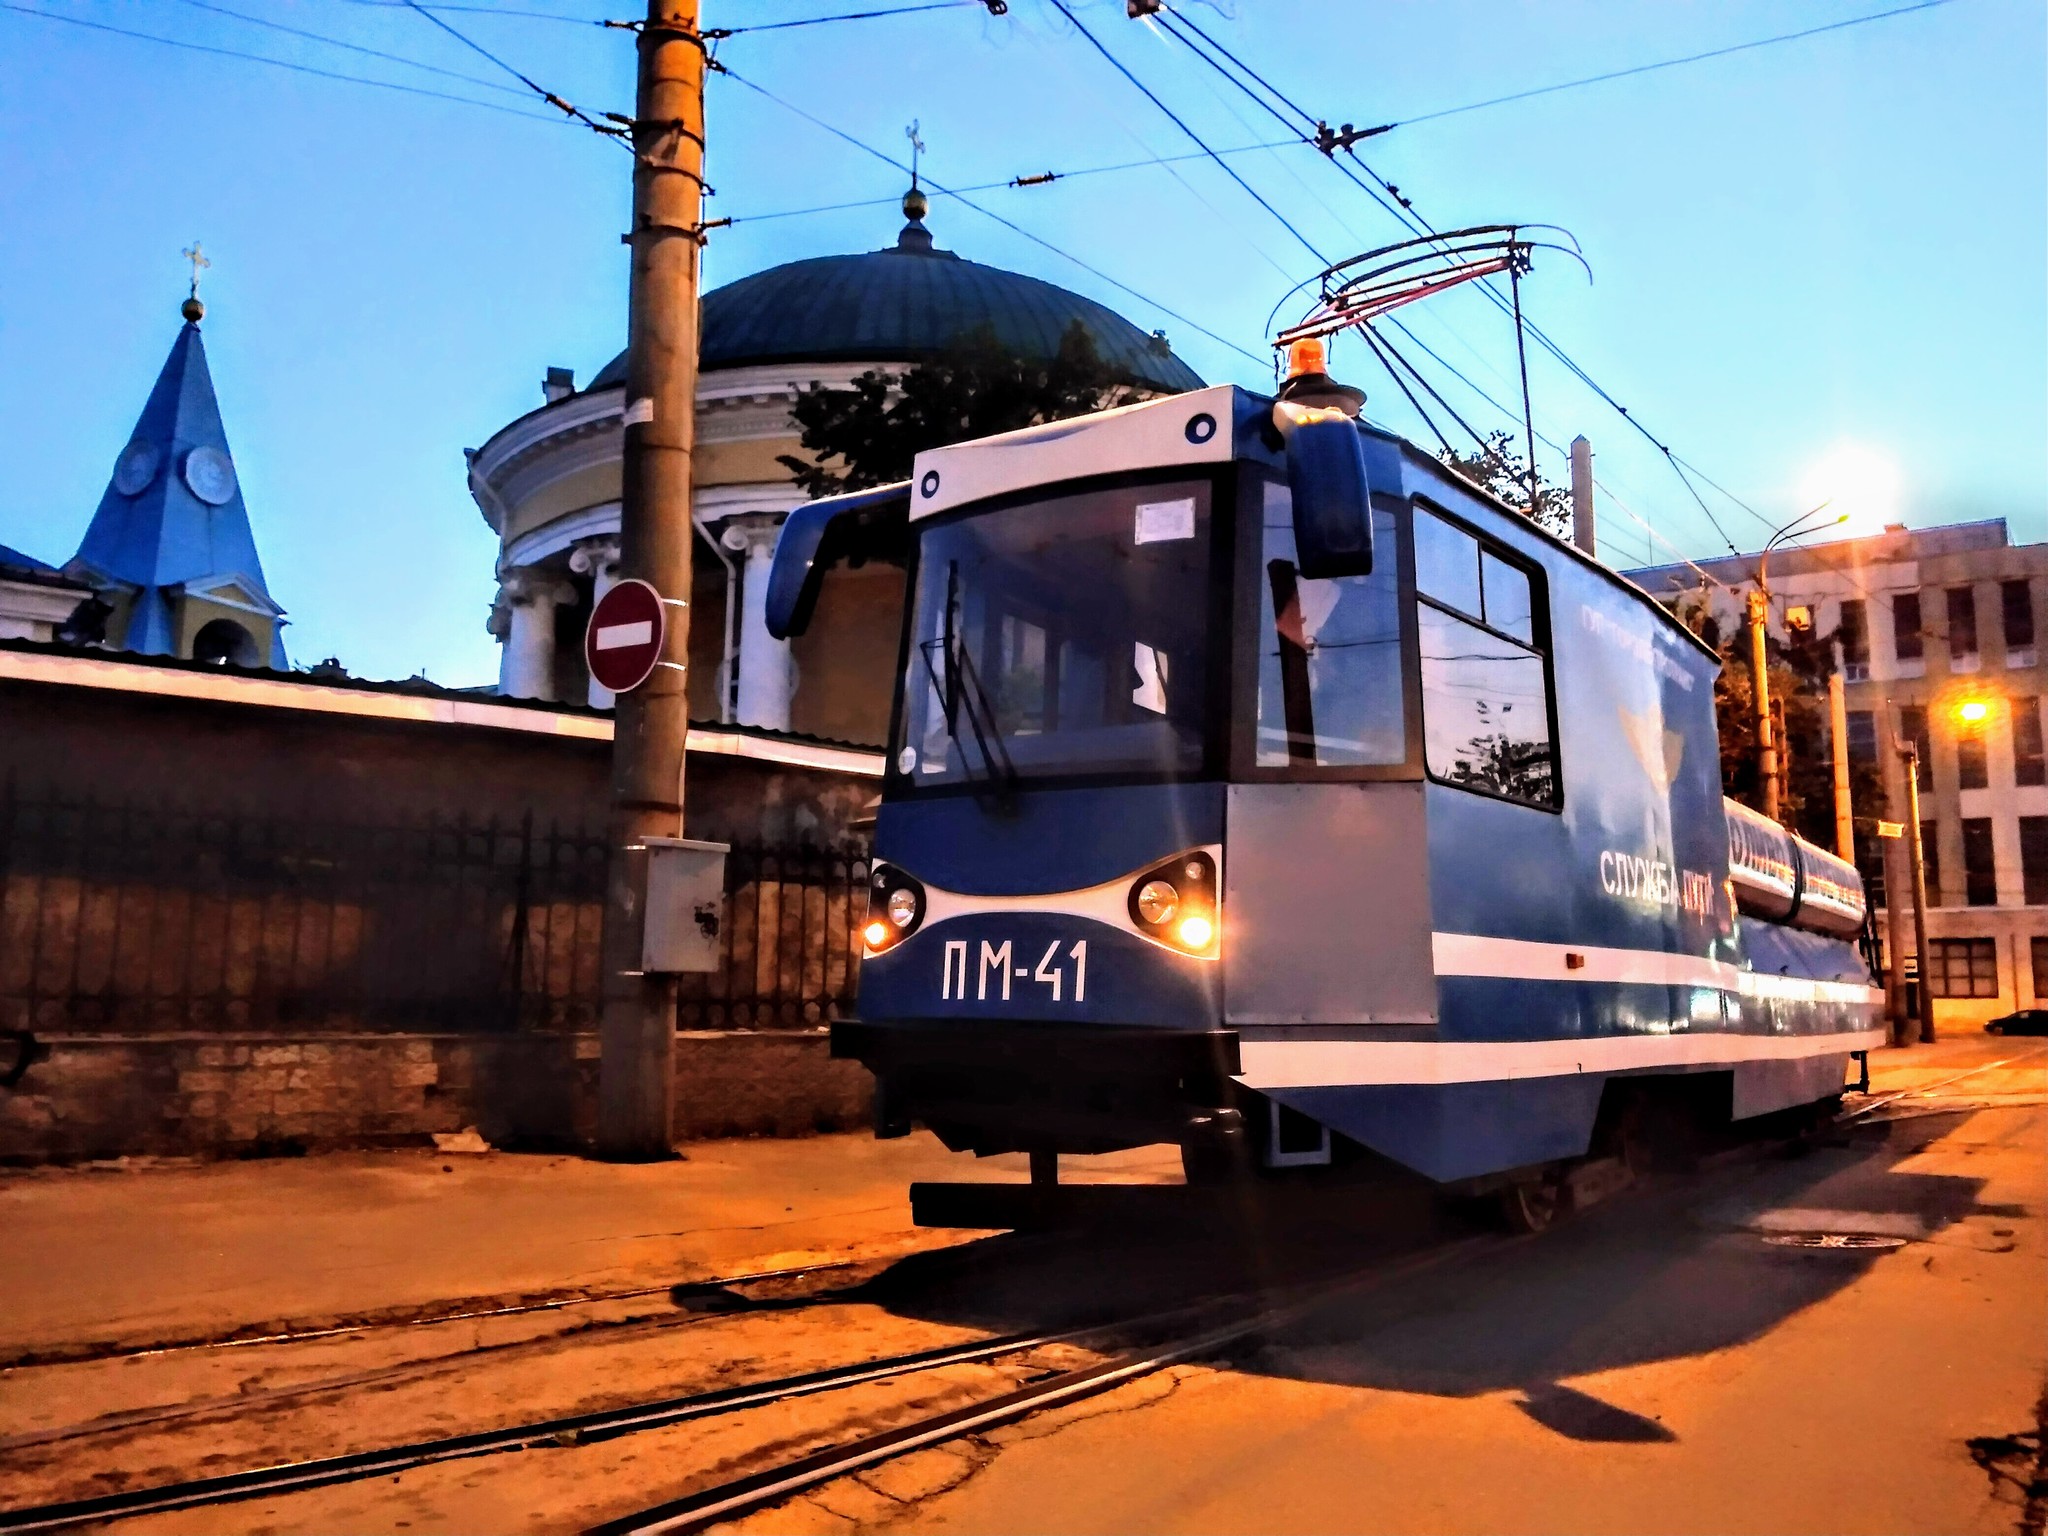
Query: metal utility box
{"points": [[685, 905]]}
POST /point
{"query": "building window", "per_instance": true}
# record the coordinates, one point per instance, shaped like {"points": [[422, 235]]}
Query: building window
{"points": [[1980, 867], [1971, 769], [1854, 633], [1962, 624], [1913, 724], [2040, 959], [1485, 683], [2034, 858], [1930, 858], [1962, 968], [1906, 627], [2016, 598], [1862, 736], [2028, 766]]}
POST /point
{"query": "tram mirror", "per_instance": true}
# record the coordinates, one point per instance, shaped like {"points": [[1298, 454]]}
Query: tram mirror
{"points": [[1332, 502], [857, 527]]}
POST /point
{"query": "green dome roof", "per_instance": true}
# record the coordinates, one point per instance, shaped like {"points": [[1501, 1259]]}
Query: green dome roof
{"points": [[904, 304]]}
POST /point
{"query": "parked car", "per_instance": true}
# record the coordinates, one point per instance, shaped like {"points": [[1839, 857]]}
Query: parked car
{"points": [[2028, 1021]]}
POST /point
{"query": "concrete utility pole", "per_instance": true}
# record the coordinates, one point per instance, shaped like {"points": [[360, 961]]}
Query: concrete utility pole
{"points": [[1898, 880], [1838, 728], [1759, 605], [1909, 757], [636, 1087], [1582, 494]]}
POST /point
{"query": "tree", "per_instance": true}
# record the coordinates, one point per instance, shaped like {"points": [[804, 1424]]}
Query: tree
{"points": [[871, 433], [1798, 669], [1502, 473]]}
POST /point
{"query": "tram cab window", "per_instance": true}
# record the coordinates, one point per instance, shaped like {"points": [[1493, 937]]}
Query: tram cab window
{"points": [[1329, 675], [1063, 637], [1485, 682]]}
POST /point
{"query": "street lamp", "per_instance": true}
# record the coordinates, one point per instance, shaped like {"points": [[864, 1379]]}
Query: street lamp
{"points": [[1759, 607]]}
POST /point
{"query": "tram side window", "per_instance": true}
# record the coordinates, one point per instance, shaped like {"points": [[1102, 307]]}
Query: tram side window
{"points": [[1485, 685], [1330, 692]]}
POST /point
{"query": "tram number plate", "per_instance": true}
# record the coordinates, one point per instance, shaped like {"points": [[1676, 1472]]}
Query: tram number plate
{"points": [[1062, 971]]}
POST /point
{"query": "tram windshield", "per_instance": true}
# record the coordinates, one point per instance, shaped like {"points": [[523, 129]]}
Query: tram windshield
{"points": [[1068, 637]]}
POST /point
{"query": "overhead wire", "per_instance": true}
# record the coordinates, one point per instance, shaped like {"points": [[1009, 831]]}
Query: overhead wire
{"points": [[819, 21], [1674, 63], [274, 63], [607, 130], [349, 47], [726, 72], [1026, 180], [1181, 123], [1412, 218]]}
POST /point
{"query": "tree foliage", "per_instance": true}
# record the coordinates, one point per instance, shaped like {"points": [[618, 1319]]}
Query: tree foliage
{"points": [[1797, 669], [871, 433], [1502, 473]]}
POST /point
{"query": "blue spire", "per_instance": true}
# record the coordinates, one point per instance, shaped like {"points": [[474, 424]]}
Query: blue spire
{"points": [[172, 521]]}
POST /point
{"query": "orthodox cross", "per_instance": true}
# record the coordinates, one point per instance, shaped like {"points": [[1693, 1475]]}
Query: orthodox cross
{"points": [[916, 149], [197, 257]]}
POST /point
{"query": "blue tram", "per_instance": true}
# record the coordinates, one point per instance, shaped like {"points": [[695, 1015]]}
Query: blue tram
{"points": [[1254, 778]]}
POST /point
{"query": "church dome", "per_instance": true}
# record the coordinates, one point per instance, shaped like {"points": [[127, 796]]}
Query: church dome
{"points": [[904, 304]]}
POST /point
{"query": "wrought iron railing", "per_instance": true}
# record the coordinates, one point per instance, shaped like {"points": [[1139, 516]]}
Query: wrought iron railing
{"points": [[126, 919]]}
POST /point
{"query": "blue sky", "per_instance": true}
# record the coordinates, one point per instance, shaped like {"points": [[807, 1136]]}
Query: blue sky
{"points": [[1824, 253]]}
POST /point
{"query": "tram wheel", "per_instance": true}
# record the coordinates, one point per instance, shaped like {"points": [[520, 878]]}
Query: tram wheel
{"points": [[1533, 1205], [1216, 1152]]}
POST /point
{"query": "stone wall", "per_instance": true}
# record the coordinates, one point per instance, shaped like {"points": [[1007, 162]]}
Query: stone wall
{"points": [[252, 1095]]}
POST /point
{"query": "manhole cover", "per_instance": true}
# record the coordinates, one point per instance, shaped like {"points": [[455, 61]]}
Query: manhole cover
{"points": [[1833, 1240]]}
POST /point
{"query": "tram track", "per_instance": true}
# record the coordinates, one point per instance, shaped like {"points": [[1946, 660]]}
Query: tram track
{"points": [[571, 1429], [465, 1309], [1204, 1326], [704, 1301], [1884, 1101]]}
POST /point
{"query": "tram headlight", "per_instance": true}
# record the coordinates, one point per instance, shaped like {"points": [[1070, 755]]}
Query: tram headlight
{"points": [[1157, 902], [1175, 904], [895, 908]]}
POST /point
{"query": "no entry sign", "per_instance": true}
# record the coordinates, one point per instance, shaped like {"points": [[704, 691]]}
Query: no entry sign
{"points": [[624, 639]]}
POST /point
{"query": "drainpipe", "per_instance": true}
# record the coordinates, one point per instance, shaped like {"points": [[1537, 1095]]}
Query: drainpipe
{"points": [[732, 581]]}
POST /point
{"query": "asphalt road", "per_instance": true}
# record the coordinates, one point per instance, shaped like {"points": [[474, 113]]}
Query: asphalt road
{"points": [[1661, 1365]]}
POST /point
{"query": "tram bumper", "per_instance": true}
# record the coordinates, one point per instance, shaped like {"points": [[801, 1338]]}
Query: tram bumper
{"points": [[985, 1086]]}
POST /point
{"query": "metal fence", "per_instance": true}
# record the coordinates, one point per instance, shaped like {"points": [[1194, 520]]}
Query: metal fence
{"points": [[119, 918]]}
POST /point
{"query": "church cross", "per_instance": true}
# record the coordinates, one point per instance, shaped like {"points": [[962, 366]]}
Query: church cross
{"points": [[197, 257], [916, 149]]}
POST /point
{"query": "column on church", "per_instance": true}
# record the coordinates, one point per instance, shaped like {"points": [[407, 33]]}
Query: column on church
{"points": [[599, 560], [527, 669], [767, 671]]}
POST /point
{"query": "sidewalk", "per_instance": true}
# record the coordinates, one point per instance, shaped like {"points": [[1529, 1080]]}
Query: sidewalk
{"points": [[147, 1253]]}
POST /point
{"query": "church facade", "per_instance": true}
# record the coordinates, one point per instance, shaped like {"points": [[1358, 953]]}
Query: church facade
{"points": [[549, 483]]}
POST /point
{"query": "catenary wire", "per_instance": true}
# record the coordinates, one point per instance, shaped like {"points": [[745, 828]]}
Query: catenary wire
{"points": [[259, 58], [819, 21], [1410, 216], [1644, 69], [336, 42], [1181, 123], [608, 130], [1039, 240]]}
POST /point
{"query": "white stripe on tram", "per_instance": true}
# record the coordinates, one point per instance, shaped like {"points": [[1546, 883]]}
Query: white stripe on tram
{"points": [[1470, 954], [1367, 1063]]}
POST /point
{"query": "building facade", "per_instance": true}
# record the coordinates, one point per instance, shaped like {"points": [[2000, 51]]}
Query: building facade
{"points": [[1937, 640], [549, 483]]}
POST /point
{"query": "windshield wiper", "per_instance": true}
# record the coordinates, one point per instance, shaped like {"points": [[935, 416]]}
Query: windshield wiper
{"points": [[961, 687]]}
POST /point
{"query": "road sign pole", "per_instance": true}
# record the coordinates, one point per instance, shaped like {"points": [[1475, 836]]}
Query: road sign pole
{"points": [[636, 1083]]}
